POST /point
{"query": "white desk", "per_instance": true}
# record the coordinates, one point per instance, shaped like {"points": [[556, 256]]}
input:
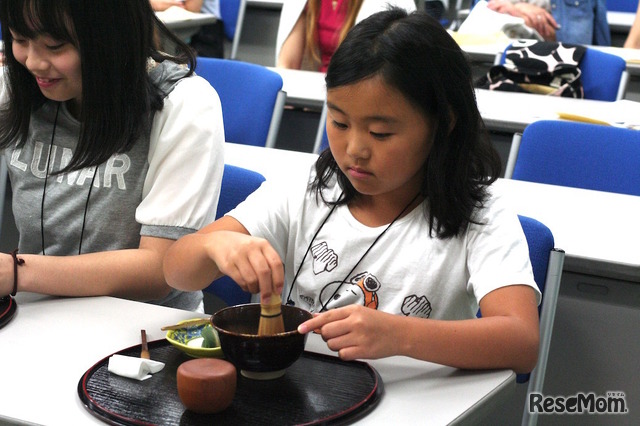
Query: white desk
{"points": [[274, 164], [485, 50], [620, 21], [305, 89], [512, 112], [184, 23], [597, 230], [50, 343], [501, 111]]}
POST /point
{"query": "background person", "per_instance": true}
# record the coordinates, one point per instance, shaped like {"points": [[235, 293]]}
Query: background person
{"points": [[310, 31], [581, 22]]}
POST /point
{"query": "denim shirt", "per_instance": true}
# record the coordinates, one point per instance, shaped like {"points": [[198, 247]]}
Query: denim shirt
{"points": [[581, 21]]}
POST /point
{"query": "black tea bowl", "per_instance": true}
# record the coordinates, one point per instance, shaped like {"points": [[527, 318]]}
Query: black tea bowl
{"points": [[259, 357]]}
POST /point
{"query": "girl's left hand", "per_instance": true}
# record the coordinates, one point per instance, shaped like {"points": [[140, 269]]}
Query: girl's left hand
{"points": [[355, 331]]}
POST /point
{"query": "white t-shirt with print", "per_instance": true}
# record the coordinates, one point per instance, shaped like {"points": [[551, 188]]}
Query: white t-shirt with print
{"points": [[406, 272]]}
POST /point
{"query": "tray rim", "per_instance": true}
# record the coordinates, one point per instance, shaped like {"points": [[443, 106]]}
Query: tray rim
{"points": [[9, 312], [355, 412]]}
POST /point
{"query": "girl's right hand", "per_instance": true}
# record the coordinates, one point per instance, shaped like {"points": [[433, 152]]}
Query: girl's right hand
{"points": [[250, 261], [160, 5]]}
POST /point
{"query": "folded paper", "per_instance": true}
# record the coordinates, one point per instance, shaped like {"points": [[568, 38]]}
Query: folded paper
{"points": [[134, 368], [483, 21]]}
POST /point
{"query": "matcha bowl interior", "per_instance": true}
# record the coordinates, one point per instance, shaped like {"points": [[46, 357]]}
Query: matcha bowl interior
{"points": [[259, 357]]}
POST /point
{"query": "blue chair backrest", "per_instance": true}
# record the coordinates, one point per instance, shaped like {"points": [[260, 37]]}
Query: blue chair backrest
{"points": [[248, 93], [580, 155], [601, 74], [540, 241], [622, 5], [237, 184], [229, 10]]}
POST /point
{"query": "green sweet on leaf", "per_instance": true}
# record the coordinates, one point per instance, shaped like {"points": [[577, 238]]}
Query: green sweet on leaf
{"points": [[210, 337]]}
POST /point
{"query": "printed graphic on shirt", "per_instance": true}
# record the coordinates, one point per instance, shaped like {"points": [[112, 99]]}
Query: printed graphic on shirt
{"points": [[324, 258], [361, 289], [414, 306], [112, 175]]}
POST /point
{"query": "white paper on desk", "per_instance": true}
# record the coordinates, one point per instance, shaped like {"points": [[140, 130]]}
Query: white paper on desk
{"points": [[132, 367], [484, 21], [175, 14]]}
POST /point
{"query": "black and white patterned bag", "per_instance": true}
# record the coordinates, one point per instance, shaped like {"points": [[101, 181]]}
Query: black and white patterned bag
{"points": [[540, 67]]}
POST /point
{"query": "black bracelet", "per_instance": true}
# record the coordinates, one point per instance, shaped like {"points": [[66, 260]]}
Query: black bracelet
{"points": [[16, 262]]}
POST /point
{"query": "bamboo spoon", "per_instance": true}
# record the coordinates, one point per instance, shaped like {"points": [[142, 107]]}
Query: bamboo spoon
{"points": [[144, 353], [271, 321]]}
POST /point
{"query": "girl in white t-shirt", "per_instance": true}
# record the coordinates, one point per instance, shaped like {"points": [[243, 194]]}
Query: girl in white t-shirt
{"points": [[396, 239]]}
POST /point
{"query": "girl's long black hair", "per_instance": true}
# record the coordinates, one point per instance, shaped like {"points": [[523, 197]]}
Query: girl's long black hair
{"points": [[115, 39], [414, 54]]}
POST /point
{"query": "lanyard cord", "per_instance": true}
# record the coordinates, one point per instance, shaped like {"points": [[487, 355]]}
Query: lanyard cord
{"points": [[289, 301], [324, 306], [44, 189]]}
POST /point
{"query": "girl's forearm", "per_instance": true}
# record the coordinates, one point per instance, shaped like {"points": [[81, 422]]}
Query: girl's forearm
{"points": [[187, 265], [133, 274], [485, 343]]}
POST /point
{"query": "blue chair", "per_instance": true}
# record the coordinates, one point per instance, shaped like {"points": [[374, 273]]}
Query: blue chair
{"points": [[579, 155], [604, 75], [547, 262], [251, 96], [232, 14], [237, 184], [622, 5]]}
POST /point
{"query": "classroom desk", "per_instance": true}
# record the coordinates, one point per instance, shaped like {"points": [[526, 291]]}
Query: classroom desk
{"points": [[485, 49], [501, 111], [304, 89], [620, 21], [184, 23], [512, 112], [50, 343], [577, 217], [598, 230]]}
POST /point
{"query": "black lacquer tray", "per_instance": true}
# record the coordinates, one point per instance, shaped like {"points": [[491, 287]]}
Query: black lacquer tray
{"points": [[316, 389], [8, 308]]}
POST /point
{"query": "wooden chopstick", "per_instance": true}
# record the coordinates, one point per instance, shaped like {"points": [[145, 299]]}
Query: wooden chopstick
{"points": [[185, 324], [144, 353]]}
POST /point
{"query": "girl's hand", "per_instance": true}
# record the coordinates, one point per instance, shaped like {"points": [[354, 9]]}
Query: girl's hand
{"points": [[160, 5], [250, 261], [538, 18], [355, 331]]}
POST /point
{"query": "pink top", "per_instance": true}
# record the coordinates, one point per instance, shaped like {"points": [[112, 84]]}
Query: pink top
{"points": [[330, 20]]}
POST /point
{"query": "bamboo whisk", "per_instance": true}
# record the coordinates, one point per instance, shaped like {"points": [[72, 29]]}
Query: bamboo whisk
{"points": [[271, 321]]}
